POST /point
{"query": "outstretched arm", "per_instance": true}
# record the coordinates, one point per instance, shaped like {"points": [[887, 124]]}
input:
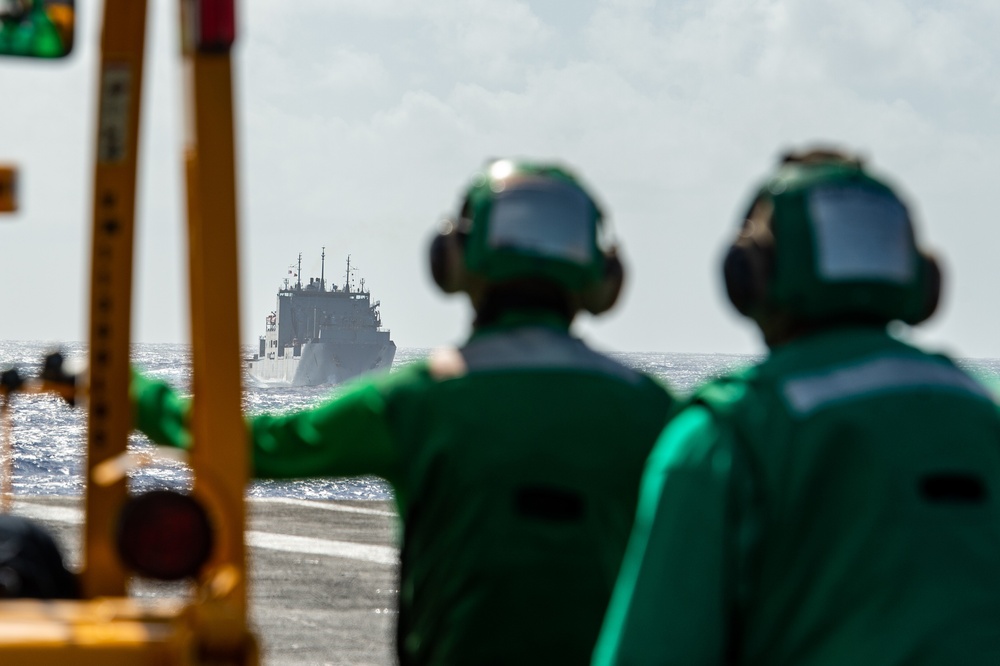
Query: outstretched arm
{"points": [[347, 436], [158, 412]]}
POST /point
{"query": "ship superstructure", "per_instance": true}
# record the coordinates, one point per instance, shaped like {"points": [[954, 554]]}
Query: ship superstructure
{"points": [[319, 336]]}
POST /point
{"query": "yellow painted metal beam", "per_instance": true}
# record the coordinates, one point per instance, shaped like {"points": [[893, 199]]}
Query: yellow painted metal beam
{"points": [[219, 452], [105, 632], [109, 411], [8, 188], [106, 627]]}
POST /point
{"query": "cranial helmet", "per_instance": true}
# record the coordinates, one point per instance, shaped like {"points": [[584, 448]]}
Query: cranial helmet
{"points": [[522, 221], [824, 239]]}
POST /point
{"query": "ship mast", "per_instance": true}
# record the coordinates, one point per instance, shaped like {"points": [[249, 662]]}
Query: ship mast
{"points": [[322, 270], [298, 275], [347, 285]]}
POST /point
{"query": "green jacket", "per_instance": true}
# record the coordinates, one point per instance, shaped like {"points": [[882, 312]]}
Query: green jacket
{"points": [[837, 504], [515, 463]]}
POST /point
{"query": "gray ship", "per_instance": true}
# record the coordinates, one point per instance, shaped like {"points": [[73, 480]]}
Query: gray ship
{"points": [[320, 336]]}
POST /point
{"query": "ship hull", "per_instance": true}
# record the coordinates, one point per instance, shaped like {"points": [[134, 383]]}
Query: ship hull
{"points": [[325, 362]]}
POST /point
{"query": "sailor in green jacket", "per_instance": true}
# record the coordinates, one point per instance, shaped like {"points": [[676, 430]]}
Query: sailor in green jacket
{"points": [[839, 503], [516, 459]]}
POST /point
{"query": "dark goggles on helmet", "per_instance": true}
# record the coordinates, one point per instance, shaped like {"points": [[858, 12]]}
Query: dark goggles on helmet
{"points": [[861, 234], [545, 218]]}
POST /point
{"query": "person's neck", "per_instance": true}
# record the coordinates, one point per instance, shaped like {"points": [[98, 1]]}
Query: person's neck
{"points": [[793, 331], [539, 302], [520, 317]]}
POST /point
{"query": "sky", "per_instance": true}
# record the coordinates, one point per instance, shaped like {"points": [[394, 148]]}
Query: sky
{"points": [[359, 123]]}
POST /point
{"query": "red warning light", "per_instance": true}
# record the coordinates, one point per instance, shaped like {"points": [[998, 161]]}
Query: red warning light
{"points": [[164, 534], [215, 25]]}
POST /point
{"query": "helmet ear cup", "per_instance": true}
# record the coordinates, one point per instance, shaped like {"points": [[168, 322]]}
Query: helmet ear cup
{"points": [[749, 263], [931, 292], [447, 260], [746, 271], [602, 297], [739, 279]]}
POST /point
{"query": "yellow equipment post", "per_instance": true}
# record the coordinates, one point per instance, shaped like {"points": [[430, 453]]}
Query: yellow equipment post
{"points": [[8, 189], [109, 412], [107, 627], [219, 452]]}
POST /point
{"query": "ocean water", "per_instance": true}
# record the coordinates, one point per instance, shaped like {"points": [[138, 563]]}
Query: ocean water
{"points": [[48, 435]]}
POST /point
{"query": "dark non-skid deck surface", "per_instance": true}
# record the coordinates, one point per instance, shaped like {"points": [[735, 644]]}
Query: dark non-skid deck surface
{"points": [[323, 576]]}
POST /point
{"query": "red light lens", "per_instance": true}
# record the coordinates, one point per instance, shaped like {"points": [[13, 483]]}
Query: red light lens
{"points": [[216, 25], [164, 535]]}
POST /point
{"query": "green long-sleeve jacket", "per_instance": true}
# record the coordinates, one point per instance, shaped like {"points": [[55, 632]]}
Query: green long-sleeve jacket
{"points": [[837, 504], [515, 462]]}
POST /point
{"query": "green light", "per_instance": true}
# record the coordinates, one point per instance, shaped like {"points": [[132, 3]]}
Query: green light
{"points": [[32, 34]]}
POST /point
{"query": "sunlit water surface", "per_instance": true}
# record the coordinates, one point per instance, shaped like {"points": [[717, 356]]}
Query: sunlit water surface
{"points": [[48, 434]]}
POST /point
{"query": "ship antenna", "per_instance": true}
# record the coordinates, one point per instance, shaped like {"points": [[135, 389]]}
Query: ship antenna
{"points": [[322, 270], [298, 276]]}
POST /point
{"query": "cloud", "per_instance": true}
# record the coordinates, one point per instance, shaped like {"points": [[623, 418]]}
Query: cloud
{"points": [[670, 110], [360, 121]]}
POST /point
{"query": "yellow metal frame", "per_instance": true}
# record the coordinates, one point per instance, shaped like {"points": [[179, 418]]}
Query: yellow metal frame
{"points": [[107, 627], [219, 455], [109, 411], [8, 188]]}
